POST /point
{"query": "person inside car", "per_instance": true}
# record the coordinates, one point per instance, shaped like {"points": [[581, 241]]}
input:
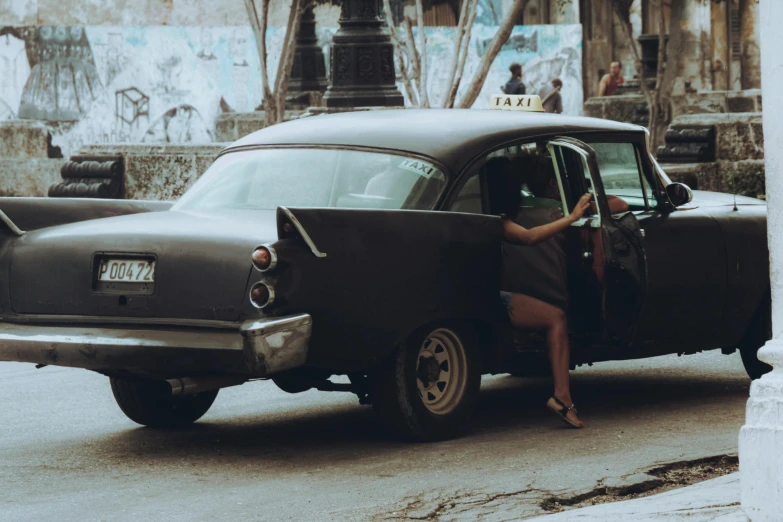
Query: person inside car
{"points": [[542, 183], [525, 311]]}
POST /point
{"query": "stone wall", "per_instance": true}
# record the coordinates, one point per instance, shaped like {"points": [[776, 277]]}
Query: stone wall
{"points": [[28, 163], [739, 154], [718, 102], [234, 125], [632, 108], [745, 177], [738, 136], [159, 172]]}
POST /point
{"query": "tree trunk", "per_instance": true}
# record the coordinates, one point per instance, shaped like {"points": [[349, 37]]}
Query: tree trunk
{"points": [[501, 37], [669, 67], [413, 56], [656, 108], [637, 59], [462, 57], [259, 31], [463, 18], [399, 52], [287, 59], [422, 45], [671, 70]]}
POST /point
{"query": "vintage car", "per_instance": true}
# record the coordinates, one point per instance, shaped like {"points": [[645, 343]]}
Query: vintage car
{"points": [[363, 245]]}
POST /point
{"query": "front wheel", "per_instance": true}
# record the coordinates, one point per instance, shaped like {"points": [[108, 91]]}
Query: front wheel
{"points": [[150, 403], [758, 333], [428, 390]]}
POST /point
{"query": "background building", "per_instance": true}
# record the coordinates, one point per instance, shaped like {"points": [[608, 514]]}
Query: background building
{"points": [[179, 71]]}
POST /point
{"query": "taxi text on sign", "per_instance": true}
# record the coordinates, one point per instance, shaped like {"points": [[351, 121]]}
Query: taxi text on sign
{"points": [[516, 102]]}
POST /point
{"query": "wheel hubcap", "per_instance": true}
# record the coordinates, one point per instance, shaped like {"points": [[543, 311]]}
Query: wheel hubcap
{"points": [[441, 371]]}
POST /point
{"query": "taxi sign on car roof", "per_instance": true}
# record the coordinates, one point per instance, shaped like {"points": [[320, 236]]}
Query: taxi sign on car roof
{"points": [[516, 102]]}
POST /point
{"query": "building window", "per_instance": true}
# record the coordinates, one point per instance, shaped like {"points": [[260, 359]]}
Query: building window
{"points": [[443, 13], [735, 30]]}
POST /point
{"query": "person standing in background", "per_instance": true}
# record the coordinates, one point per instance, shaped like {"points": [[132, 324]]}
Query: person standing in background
{"points": [[515, 85], [612, 80], [550, 97]]}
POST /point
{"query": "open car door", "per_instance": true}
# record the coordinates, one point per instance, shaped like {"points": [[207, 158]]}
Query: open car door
{"points": [[611, 276]]}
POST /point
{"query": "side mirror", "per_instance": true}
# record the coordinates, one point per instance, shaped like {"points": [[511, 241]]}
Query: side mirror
{"points": [[679, 193]]}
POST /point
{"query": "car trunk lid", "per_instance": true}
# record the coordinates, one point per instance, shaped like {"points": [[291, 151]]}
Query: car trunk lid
{"points": [[202, 264]]}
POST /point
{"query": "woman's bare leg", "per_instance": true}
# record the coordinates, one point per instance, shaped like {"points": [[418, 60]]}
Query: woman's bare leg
{"points": [[529, 313]]}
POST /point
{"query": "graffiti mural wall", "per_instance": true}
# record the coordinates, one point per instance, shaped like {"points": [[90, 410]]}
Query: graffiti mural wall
{"points": [[161, 84], [106, 84], [545, 52]]}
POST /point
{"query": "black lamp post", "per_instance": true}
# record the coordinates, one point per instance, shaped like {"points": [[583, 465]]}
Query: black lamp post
{"points": [[308, 73], [362, 60]]}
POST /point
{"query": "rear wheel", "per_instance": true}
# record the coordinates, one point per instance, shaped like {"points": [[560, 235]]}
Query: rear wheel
{"points": [[758, 333], [428, 390], [150, 403]]}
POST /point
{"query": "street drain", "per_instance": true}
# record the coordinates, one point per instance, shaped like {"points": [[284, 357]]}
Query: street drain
{"points": [[653, 481]]}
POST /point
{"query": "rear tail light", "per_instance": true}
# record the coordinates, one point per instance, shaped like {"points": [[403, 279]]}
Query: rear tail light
{"points": [[264, 258], [262, 295]]}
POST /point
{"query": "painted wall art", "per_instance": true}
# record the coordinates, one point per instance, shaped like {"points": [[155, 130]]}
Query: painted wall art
{"points": [[162, 84], [544, 51]]}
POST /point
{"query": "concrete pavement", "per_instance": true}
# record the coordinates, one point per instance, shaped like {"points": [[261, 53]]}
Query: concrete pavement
{"points": [[716, 500], [67, 452]]}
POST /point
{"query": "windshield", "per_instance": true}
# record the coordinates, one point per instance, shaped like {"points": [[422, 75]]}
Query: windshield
{"points": [[265, 179]]}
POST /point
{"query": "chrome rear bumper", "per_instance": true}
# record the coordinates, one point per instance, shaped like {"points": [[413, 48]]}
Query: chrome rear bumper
{"points": [[259, 348]]}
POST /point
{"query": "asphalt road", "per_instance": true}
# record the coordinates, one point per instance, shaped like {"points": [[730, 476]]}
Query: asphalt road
{"points": [[68, 453]]}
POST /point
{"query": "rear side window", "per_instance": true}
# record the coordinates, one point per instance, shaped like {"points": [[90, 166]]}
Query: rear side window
{"points": [[468, 199]]}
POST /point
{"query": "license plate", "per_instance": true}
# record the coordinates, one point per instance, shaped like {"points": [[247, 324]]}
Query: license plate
{"points": [[127, 271]]}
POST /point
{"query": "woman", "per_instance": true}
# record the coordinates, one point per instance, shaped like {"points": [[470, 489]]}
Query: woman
{"points": [[527, 312]]}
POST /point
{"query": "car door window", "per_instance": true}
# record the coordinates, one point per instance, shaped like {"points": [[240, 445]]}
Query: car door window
{"points": [[621, 174], [544, 175]]}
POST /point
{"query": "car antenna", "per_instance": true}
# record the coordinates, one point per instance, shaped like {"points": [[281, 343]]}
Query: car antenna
{"points": [[733, 170], [734, 188]]}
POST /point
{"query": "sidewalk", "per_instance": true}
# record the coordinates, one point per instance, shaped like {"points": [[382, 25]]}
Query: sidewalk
{"points": [[716, 500]]}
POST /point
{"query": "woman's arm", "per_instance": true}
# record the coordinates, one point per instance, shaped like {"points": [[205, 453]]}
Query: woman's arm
{"points": [[514, 233]]}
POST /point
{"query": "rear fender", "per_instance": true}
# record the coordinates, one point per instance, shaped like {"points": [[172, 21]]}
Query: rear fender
{"points": [[24, 214], [369, 278]]}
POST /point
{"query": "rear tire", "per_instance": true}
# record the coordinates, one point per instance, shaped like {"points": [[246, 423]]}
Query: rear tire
{"points": [[150, 403], [428, 389], [758, 333]]}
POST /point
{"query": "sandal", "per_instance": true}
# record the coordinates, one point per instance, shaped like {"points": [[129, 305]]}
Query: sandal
{"points": [[562, 410]]}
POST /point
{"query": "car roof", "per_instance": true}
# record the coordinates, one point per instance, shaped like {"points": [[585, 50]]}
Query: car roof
{"points": [[451, 136]]}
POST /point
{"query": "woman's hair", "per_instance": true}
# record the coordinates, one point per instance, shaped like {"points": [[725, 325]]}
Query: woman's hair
{"points": [[557, 82], [515, 67], [503, 187], [538, 178]]}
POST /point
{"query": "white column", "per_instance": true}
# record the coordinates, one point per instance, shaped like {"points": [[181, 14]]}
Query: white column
{"points": [[761, 439]]}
